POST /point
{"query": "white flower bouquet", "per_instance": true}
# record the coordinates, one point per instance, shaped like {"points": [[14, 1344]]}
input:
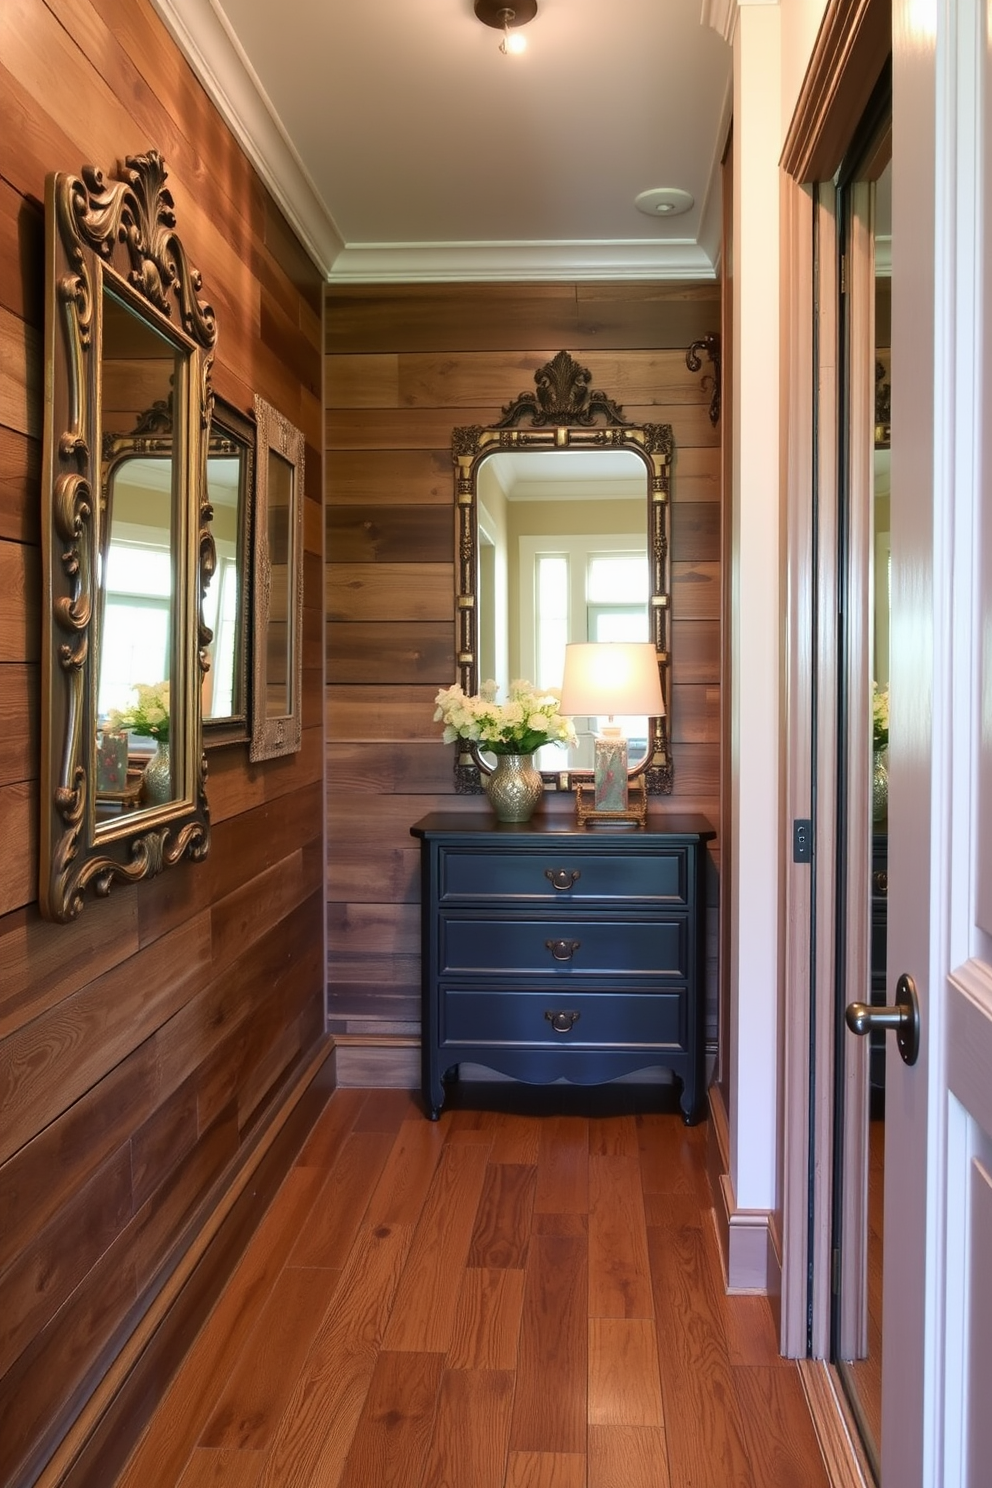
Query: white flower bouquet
{"points": [[148, 717], [879, 718], [526, 721]]}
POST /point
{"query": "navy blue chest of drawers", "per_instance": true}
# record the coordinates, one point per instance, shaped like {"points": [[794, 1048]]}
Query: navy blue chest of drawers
{"points": [[551, 951]]}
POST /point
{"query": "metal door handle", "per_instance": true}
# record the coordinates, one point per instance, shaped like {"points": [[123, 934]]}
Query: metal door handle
{"points": [[562, 1022], [861, 1018], [563, 950], [562, 878]]}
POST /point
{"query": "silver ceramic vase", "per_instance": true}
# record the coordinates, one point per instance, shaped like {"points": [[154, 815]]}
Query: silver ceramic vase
{"points": [[156, 786], [514, 787]]}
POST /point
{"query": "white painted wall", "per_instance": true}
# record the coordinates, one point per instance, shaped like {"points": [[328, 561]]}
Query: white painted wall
{"points": [[772, 47]]}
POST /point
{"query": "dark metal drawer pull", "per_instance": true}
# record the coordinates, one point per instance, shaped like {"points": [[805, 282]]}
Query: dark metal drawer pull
{"points": [[563, 950], [562, 1022], [562, 878], [880, 882]]}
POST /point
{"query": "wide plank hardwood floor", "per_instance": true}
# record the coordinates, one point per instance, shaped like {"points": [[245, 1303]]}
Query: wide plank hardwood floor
{"points": [[526, 1294]]}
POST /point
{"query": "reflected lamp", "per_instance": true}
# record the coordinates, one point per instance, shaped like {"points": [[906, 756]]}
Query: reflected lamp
{"points": [[611, 680]]}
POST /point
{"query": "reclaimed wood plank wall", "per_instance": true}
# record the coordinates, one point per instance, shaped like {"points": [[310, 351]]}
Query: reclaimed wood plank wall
{"points": [[142, 1046], [404, 366]]}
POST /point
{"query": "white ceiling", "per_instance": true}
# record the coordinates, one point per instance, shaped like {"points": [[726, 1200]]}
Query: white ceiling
{"points": [[403, 146]]}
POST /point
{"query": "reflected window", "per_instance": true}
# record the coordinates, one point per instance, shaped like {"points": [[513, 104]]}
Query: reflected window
{"points": [[136, 637], [586, 594], [220, 607]]}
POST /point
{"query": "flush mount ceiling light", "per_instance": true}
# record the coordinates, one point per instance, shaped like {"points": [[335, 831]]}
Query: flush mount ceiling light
{"points": [[664, 201], [507, 19]]}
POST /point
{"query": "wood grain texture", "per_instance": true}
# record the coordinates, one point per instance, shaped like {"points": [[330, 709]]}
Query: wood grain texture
{"points": [[153, 1033], [546, 1470], [471, 317], [627, 1457], [292, 1379], [624, 1385], [423, 1315], [549, 1412], [619, 1285], [397, 1422], [702, 1413]]}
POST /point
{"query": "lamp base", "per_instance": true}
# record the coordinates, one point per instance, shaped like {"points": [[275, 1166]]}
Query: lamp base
{"points": [[635, 813]]}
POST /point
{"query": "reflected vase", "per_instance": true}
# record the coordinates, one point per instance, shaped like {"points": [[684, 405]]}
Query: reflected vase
{"points": [[880, 786], [514, 787], [156, 786]]}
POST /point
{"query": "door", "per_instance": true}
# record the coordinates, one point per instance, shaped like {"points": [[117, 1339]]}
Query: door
{"points": [[937, 1300]]}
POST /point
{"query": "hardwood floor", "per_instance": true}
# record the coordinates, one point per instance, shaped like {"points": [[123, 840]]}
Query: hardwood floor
{"points": [[526, 1294]]}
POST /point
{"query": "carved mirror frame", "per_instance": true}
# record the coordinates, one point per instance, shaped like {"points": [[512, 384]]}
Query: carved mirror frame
{"points": [[113, 237], [277, 586], [564, 413]]}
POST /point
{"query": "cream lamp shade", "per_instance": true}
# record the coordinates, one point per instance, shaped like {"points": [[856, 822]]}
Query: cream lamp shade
{"points": [[619, 679]]}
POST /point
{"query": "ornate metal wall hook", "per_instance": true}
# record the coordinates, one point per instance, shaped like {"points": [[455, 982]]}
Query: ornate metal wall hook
{"points": [[711, 345]]}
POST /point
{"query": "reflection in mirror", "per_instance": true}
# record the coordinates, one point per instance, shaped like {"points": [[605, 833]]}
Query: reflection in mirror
{"points": [[562, 557], [277, 629], [562, 537], [230, 483], [126, 539]]}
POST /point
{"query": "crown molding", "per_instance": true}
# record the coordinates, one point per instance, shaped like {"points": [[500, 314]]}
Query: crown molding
{"points": [[230, 82], [365, 263]]}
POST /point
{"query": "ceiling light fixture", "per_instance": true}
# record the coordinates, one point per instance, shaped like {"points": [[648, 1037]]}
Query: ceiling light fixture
{"points": [[664, 201], [507, 19]]}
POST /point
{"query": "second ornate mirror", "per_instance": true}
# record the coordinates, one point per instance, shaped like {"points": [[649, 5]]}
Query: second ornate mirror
{"points": [[562, 514], [128, 550]]}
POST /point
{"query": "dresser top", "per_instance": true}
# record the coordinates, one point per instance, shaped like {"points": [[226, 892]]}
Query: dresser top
{"points": [[483, 825]]}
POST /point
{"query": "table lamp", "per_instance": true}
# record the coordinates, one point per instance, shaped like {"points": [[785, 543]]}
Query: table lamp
{"points": [[615, 679]]}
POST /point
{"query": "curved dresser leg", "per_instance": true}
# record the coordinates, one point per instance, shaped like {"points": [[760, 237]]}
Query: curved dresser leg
{"points": [[693, 1106]]}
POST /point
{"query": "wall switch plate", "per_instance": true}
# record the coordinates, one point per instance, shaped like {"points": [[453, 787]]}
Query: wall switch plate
{"points": [[802, 840]]}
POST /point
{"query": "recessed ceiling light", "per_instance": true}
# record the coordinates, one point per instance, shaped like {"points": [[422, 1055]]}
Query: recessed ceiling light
{"points": [[664, 201]]}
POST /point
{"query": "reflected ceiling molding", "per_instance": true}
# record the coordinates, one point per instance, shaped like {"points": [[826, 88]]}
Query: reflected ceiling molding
{"points": [[384, 263], [883, 257], [219, 62], [721, 15]]}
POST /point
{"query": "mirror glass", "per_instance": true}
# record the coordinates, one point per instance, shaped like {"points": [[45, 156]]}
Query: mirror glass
{"points": [[226, 609], [277, 590], [562, 556], [127, 546], [135, 589], [278, 625]]}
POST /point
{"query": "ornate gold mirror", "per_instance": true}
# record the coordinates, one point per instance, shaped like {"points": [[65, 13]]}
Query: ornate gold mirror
{"points": [[562, 534], [127, 546], [277, 627]]}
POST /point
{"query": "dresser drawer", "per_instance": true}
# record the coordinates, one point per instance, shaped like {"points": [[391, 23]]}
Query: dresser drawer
{"points": [[603, 1020], [563, 945], [566, 874]]}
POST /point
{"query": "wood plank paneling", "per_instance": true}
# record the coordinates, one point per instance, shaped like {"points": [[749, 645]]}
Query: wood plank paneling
{"points": [[405, 364], [390, 477], [140, 1045], [408, 534], [504, 317]]}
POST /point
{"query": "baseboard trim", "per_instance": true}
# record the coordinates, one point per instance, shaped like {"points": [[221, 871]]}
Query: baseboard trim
{"points": [[748, 1247], [840, 1443], [94, 1450]]}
